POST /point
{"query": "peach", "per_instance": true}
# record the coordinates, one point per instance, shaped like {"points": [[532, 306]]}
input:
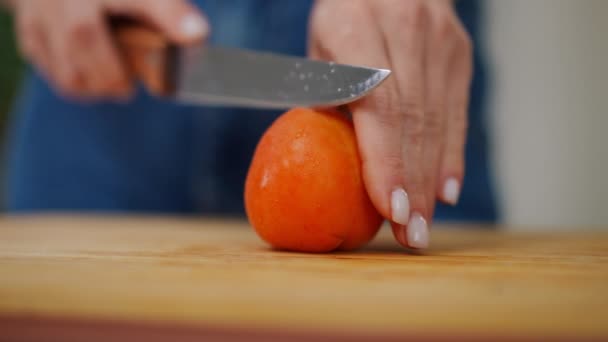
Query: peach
{"points": [[304, 189]]}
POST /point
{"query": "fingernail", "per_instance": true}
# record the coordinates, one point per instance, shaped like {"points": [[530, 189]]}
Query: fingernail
{"points": [[417, 232], [193, 26], [451, 191], [400, 207]]}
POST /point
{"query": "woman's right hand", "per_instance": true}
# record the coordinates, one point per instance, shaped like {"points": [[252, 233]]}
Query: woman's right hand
{"points": [[68, 41]]}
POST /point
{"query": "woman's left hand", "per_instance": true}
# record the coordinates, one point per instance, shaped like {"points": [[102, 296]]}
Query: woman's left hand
{"points": [[411, 130]]}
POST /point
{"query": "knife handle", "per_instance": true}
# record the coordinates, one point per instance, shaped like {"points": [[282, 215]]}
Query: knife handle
{"points": [[149, 57]]}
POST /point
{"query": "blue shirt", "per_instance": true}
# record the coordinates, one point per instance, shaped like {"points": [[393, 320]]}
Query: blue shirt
{"points": [[152, 155]]}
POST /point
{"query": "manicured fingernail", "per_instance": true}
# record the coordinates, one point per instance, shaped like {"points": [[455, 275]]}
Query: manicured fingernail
{"points": [[417, 232], [400, 207], [451, 191], [193, 26]]}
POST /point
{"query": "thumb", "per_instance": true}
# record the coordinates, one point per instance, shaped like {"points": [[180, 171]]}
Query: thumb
{"points": [[178, 19]]}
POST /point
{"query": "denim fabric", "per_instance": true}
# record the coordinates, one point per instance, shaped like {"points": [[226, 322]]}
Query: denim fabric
{"points": [[151, 155]]}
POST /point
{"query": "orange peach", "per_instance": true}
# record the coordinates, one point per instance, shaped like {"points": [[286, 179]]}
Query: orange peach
{"points": [[304, 189]]}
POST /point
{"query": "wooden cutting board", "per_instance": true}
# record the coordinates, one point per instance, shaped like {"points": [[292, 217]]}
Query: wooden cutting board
{"points": [[113, 278]]}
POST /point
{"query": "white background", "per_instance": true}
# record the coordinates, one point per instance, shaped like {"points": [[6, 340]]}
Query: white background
{"points": [[549, 110]]}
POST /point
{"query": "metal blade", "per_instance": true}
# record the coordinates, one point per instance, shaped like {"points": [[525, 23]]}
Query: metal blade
{"points": [[219, 76]]}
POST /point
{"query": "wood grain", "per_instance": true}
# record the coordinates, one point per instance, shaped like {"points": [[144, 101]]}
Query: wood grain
{"points": [[472, 282]]}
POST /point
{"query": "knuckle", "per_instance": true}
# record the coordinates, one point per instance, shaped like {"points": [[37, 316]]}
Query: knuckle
{"points": [[414, 139], [383, 103], [109, 83], [389, 159], [27, 26], [83, 32], [115, 83], [411, 110], [334, 33], [445, 29], [406, 112], [414, 126], [161, 12], [412, 14], [347, 28], [434, 123], [26, 30], [113, 79], [460, 123], [97, 85], [393, 162], [108, 76], [28, 47], [356, 10], [164, 13], [69, 82], [464, 42], [415, 187]]}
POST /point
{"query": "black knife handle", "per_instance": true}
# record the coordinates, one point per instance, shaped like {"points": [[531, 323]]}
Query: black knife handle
{"points": [[149, 56]]}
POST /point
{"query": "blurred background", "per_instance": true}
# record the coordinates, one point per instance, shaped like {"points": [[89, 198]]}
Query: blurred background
{"points": [[10, 68], [548, 112]]}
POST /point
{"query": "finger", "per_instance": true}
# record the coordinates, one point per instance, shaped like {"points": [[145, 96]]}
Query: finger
{"points": [[33, 43], [407, 53], [68, 79], [376, 121], [438, 52], [459, 81], [182, 22], [92, 52]]}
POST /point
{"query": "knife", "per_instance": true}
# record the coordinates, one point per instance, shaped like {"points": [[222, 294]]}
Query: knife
{"points": [[222, 76]]}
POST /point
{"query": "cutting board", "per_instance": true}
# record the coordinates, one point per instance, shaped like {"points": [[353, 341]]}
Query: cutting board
{"points": [[156, 278]]}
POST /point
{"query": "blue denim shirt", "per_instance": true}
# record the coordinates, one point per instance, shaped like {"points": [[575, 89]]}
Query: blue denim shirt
{"points": [[152, 155]]}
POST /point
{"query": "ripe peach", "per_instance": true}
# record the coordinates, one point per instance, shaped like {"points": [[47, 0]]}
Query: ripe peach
{"points": [[304, 189]]}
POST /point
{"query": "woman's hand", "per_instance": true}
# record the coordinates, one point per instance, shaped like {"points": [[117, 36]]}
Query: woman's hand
{"points": [[411, 130], [69, 42]]}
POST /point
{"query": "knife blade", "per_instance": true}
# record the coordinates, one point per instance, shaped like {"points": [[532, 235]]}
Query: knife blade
{"points": [[224, 76]]}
